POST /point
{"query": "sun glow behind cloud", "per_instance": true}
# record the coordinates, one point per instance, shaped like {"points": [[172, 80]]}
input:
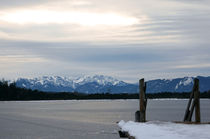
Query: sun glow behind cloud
{"points": [[81, 18]]}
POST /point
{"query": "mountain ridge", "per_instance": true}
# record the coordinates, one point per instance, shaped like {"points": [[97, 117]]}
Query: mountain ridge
{"points": [[104, 84]]}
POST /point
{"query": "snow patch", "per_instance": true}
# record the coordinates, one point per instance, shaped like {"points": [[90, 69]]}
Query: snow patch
{"points": [[165, 130], [177, 86], [186, 81]]}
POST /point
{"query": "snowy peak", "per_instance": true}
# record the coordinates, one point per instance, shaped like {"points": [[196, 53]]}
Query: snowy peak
{"points": [[47, 83], [185, 82], [55, 80], [100, 79]]}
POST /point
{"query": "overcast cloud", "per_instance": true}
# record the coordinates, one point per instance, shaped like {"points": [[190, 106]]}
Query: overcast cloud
{"points": [[124, 39]]}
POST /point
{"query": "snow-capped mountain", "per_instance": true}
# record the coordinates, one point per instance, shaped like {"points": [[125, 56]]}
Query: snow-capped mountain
{"points": [[177, 85], [87, 84], [103, 84]]}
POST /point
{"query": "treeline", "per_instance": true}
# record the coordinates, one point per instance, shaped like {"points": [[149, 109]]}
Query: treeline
{"points": [[12, 92], [176, 95]]}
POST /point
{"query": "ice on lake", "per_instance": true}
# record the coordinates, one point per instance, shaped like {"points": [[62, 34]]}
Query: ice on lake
{"points": [[86, 119]]}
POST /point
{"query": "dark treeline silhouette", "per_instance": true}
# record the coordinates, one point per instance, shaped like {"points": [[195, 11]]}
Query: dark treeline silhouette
{"points": [[12, 92]]}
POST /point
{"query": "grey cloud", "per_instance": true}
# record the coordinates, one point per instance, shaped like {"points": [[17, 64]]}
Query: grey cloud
{"points": [[87, 53], [128, 62], [193, 1], [4, 4]]}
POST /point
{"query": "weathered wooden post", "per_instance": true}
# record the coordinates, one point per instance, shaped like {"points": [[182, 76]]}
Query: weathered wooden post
{"points": [[195, 104], [142, 101], [197, 101]]}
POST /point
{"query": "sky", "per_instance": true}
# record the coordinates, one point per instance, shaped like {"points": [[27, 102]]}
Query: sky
{"points": [[125, 39]]}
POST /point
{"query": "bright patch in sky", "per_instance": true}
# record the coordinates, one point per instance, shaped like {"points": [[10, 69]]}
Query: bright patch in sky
{"points": [[81, 18]]}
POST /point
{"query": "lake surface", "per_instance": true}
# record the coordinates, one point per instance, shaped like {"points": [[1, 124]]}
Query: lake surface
{"points": [[85, 119]]}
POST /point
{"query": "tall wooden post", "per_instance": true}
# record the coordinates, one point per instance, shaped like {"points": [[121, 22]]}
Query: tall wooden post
{"points": [[193, 105], [142, 101], [197, 101]]}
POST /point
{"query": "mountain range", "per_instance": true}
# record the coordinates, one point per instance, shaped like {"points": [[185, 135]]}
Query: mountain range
{"points": [[107, 84]]}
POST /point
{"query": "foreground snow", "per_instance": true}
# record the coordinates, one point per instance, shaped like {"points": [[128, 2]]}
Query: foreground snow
{"points": [[165, 130]]}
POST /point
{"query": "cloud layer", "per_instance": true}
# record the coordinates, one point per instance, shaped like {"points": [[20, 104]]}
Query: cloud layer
{"points": [[125, 39]]}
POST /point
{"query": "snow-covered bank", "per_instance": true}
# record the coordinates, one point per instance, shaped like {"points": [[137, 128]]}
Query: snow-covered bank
{"points": [[165, 130]]}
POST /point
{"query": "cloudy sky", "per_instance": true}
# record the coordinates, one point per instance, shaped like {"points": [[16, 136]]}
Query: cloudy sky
{"points": [[126, 39]]}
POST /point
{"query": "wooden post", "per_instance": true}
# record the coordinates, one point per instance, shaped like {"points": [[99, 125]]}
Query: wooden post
{"points": [[197, 101], [195, 104], [187, 112], [142, 101], [145, 99]]}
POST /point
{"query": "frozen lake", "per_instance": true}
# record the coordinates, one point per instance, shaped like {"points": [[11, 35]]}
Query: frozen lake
{"points": [[85, 119]]}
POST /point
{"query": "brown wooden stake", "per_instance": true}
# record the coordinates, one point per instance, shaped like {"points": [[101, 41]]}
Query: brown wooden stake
{"points": [[142, 101], [145, 99], [195, 104], [197, 101]]}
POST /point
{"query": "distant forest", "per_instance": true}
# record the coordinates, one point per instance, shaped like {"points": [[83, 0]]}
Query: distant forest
{"points": [[12, 92]]}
